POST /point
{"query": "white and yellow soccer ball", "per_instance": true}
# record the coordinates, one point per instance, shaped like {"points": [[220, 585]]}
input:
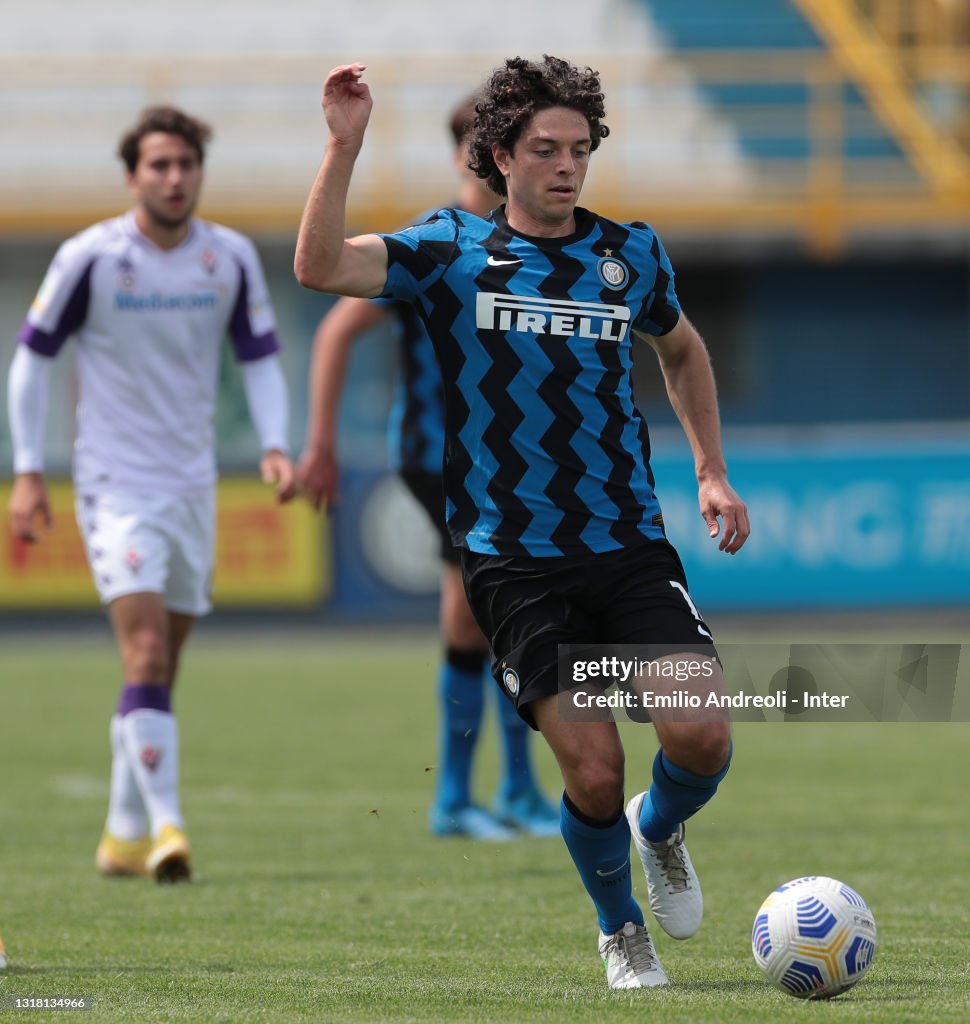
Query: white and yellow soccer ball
{"points": [[814, 937]]}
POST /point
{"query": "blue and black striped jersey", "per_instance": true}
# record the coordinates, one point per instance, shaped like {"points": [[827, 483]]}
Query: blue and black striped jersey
{"points": [[416, 427], [416, 430], [546, 453]]}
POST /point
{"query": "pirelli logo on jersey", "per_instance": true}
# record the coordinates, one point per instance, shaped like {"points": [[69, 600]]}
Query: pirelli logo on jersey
{"points": [[529, 314]]}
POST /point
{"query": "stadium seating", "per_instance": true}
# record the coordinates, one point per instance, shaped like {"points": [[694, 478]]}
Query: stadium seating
{"points": [[758, 114], [712, 24]]}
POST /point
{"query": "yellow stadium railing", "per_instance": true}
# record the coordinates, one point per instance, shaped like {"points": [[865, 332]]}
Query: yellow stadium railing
{"points": [[674, 155]]}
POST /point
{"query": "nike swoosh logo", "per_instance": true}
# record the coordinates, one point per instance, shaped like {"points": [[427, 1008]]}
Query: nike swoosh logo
{"points": [[606, 874], [493, 262]]}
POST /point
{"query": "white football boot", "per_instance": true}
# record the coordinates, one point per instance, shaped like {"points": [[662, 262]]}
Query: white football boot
{"points": [[675, 892], [631, 961]]}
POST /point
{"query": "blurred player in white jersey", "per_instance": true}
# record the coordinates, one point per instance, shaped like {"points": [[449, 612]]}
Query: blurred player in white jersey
{"points": [[149, 298]]}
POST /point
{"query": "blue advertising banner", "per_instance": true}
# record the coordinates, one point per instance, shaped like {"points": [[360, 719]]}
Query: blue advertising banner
{"points": [[869, 522], [839, 520]]}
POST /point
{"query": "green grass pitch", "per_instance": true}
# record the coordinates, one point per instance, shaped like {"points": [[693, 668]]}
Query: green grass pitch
{"points": [[308, 766]]}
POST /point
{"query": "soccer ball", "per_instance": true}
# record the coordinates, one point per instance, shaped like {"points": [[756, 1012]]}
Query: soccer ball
{"points": [[814, 937]]}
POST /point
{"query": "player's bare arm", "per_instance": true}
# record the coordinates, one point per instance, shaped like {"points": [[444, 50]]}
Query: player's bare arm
{"points": [[318, 471], [690, 385], [325, 260], [30, 504]]}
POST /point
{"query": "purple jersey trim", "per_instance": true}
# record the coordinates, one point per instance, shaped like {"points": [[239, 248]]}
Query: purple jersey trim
{"points": [[48, 343], [247, 345], [248, 350], [39, 341]]}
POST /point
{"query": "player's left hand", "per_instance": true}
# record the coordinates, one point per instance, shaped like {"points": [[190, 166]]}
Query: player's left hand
{"points": [[276, 468], [30, 504], [347, 104], [717, 498]]}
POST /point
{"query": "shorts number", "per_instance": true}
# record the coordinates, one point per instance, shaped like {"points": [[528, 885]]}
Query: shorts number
{"points": [[693, 609]]}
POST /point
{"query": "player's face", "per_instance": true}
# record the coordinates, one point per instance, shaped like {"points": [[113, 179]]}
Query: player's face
{"points": [[166, 180], [544, 174]]}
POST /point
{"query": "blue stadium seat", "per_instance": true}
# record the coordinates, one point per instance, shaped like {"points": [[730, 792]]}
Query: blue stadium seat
{"points": [[699, 24], [765, 135]]}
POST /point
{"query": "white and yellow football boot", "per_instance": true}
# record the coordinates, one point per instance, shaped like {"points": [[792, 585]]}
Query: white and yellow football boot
{"points": [[122, 858], [170, 857]]}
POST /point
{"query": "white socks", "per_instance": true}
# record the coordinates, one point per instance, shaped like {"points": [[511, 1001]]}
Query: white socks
{"points": [[127, 817], [151, 743]]}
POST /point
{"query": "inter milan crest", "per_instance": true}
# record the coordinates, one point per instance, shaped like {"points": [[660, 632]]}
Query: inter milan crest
{"points": [[612, 272], [511, 680]]}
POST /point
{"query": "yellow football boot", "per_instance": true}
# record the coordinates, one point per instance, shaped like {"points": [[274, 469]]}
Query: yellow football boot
{"points": [[122, 858], [170, 857]]}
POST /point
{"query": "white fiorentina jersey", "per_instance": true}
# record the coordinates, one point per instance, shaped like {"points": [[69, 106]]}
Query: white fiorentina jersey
{"points": [[149, 325]]}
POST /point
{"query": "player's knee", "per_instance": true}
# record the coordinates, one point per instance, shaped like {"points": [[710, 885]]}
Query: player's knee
{"points": [[460, 628], [464, 634], [715, 749], [704, 748], [146, 656], [598, 785]]}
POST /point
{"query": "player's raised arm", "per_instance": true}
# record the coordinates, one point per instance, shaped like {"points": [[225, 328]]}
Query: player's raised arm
{"points": [[690, 385], [326, 260]]}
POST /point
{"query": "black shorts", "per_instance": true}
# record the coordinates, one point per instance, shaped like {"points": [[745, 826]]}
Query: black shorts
{"points": [[527, 607], [429, 490]]}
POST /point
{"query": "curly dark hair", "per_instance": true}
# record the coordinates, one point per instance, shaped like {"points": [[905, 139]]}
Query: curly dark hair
{"points": [[169, 120], [516, 93]]}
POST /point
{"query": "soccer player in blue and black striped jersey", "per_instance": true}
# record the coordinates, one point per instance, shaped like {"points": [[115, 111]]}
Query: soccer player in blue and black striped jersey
{"points": [[417, 440], [533, 313]]}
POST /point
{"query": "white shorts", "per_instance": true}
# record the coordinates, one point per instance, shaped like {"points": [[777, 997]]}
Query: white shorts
{"points": [[150, 543]]}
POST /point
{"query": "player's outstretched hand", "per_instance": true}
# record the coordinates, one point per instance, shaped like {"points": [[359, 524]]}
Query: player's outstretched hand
{"points": [[28, 502], [346, 104], [718, 498], [318, 476], [275, 467]]}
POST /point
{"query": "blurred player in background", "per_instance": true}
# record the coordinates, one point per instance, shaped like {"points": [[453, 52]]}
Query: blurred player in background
{"points": [[417, 443], [3, 955], [149, 297], [547, 476]]}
